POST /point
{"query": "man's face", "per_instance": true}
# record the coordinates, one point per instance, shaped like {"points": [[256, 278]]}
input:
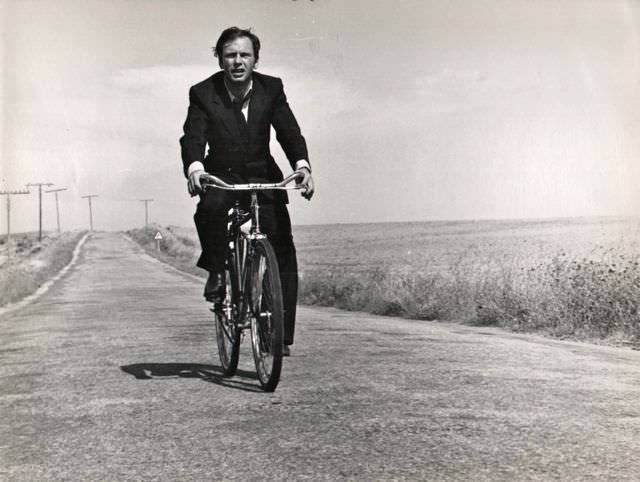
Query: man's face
{"points": [[238, 60]]}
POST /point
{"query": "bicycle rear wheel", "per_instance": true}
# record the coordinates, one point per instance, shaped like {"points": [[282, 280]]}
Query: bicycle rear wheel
{"points": [[267, 322], [227, 331]]}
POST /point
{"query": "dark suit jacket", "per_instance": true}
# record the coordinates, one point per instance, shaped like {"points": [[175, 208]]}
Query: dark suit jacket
{"points": [[211, 121]]}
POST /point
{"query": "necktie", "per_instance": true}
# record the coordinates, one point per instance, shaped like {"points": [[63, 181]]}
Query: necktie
{"points": [[240, 119]]}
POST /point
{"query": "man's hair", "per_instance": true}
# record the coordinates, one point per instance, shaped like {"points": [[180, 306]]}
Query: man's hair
{"points": [[232, 33]]}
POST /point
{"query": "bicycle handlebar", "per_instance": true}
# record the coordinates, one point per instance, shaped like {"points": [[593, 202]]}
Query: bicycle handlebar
{"points": [[209, 180]]}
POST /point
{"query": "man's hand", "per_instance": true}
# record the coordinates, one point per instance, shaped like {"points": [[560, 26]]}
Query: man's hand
{"points": [[306, 182], [193, 184]]}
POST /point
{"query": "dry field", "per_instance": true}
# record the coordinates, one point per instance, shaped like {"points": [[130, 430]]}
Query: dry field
{"points": [[570, 278]]}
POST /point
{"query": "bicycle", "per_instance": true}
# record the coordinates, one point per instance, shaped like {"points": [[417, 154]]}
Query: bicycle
{"points": [[253, 294]]}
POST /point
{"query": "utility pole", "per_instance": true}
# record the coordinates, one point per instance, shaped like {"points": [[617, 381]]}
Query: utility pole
{"points": [[40, 184], [8, 194], [146, 210], [90, 210], [56, 191]]}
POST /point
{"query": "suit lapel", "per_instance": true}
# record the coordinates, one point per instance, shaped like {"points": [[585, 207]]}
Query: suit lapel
{"points": [[223, 107]]}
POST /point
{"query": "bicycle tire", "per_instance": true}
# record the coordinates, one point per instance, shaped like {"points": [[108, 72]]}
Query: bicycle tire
{"points": [[267, 317], [227, 332]]}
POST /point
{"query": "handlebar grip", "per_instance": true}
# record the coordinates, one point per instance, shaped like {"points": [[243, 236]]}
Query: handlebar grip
{"points": [[291, 177], [207, 179]]}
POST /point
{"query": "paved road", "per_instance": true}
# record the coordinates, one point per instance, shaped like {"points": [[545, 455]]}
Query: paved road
{"points": [[113, 375]]}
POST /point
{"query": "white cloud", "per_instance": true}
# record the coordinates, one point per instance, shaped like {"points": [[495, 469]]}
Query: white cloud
{"points": [[160, 79]]}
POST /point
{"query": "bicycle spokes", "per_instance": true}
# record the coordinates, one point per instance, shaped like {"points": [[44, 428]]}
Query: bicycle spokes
{"points": [[227, 332], [257, 290], [227, 328], [267, 316]]}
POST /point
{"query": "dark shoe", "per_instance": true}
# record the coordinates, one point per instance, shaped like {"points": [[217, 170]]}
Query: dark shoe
{"points": [[214, 289], [286, 351]]}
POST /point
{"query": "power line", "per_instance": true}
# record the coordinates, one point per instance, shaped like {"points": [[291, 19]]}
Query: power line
{"points": [[40, 184], [9, 194], [89, 197], [146, 210], [56, 191]]}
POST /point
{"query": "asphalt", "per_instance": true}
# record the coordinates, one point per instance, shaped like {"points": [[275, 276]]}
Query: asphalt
{"points": [[113, 374]]}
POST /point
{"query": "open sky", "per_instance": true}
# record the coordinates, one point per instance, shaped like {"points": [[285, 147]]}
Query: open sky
{"points": [[412, 110]]}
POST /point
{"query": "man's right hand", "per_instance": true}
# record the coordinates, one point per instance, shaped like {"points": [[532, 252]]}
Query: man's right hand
{"points": [[307, 182], [193, 184]]}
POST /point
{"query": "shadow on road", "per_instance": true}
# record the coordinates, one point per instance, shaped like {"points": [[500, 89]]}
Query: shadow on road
{"points": [[208, 373]]}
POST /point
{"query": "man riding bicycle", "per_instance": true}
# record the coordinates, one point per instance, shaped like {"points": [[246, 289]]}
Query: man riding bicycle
{"points": [[232, 112]]}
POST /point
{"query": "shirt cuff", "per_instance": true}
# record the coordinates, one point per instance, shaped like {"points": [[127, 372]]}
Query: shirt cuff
{"points": [[303, 163], [195, 166]]}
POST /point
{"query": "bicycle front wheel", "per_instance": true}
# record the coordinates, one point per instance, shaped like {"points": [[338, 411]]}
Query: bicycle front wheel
{"points": [[267, 322], [227, 331]]}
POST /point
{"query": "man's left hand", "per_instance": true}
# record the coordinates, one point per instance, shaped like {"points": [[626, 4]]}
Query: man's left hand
{"points": [[306, 182]]}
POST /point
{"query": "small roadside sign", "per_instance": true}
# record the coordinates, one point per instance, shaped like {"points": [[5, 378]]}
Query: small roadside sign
{"points": [[158, 237]]}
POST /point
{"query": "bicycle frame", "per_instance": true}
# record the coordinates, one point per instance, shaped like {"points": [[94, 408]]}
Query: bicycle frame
{"points": [[242, 242], [253, 297], [242, 251]]}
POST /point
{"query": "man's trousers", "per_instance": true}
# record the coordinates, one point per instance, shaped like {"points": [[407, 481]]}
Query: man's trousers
{"points": [[211, 223]]}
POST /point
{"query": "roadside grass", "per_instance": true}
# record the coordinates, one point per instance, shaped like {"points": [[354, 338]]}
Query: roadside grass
{"points": [[586, 299], [176, 249], [33, 263], [590, 298]]}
